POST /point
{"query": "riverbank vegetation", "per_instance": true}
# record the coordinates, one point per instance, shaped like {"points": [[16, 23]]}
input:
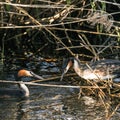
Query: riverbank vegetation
{"points": [[60, 28]]}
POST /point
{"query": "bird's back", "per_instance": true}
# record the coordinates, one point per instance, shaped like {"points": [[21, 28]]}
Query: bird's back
{"points": [[104, 69]]}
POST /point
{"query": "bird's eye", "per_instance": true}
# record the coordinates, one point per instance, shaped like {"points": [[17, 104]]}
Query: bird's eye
{"points": [[31, 72]]}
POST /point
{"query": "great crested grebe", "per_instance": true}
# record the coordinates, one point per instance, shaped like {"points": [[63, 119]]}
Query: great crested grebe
{"points": [[23, 90], [99, 70]]}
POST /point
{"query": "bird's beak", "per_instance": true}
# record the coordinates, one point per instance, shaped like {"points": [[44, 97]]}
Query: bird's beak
{"points": [[61, 78], [66, 69], [36, 76]]}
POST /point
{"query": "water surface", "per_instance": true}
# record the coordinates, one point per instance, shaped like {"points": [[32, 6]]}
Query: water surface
{"points": [[50, 103]]}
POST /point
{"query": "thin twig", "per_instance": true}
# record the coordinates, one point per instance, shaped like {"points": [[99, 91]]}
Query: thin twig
{"points": [[49, 85]]}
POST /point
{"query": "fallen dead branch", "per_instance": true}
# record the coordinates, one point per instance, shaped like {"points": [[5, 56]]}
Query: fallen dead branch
{"points": [[50, 85]]}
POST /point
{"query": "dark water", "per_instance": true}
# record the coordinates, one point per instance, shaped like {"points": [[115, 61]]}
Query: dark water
{"points": [[50, 103]]}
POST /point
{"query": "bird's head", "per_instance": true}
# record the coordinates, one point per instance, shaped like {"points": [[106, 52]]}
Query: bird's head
{"points": [[67, 64], [26, 73]]}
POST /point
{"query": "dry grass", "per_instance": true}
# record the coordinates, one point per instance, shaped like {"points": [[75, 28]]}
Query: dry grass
{"points": [[94, 29]]}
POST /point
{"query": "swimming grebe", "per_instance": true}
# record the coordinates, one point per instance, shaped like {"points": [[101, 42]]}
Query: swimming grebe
{"points": [[23, 90], [99, 70]]}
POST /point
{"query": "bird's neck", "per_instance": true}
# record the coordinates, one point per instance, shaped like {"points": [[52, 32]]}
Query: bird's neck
{"points": [[24, 89], [77, 68]]}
